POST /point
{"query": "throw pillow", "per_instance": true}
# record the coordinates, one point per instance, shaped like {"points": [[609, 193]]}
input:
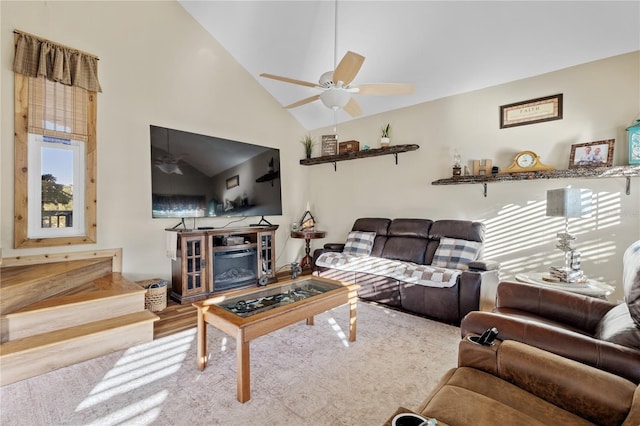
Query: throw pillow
{"points": [[359, 243], [617, 327], [455, 254]]}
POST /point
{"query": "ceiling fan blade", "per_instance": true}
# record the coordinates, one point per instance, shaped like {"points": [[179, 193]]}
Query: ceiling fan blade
{"points": [[304, 101], [384, 89], [353, 108], [288, 80], [348, 68]]}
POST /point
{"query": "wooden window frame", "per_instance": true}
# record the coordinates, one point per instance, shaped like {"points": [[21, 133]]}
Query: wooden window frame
{"points": [[21, 189]]}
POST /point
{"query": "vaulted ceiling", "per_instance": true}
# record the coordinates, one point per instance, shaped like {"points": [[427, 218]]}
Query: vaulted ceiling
{"points": [[441, 47]]}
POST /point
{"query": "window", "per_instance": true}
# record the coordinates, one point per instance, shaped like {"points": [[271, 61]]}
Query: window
{"points": [[58, 165], [55, 150]]}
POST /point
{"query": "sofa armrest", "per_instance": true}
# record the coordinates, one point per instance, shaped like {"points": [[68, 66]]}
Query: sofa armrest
{"points": [[329, 247], [334, 247], [477, 290], [578, 311], [596, 395], [480, 357], [607, 356], [484, 265]]}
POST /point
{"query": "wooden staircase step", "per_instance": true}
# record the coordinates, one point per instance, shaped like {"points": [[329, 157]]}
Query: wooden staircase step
{"points": [[106, 297], [21, 286], [35, 355]]}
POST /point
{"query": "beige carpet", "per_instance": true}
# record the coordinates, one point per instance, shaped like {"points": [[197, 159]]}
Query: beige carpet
{"points": [[300, 375]]}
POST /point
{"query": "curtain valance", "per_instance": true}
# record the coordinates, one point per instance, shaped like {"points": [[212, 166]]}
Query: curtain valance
{"points": [[37, 57]]}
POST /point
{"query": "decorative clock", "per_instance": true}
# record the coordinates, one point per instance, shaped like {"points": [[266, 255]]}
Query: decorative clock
{"points": [[526, 161]]}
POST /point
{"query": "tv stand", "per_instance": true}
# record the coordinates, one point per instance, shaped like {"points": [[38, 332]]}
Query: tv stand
{"points": [[263, 222], [194, 274]]}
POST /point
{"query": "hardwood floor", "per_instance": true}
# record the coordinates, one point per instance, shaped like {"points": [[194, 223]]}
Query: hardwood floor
{"points": [[176, 317]]}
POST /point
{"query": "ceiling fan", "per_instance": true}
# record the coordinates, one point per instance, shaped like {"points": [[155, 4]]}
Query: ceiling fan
{"points": [[337, 88]]}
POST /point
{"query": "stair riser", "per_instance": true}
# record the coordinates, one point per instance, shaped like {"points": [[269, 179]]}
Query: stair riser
{"points": [[21, 365], [18, 296], [30, 323]]}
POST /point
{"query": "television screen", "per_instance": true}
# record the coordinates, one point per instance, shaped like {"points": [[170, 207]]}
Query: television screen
{"points": [[195, 175]]}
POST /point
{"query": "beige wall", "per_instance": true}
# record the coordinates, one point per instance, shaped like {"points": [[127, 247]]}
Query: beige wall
{"points": [[600, 100], [158, 67]]}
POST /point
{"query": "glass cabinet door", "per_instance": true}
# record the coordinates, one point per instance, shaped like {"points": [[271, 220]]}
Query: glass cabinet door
{"points": [[193, 265]]}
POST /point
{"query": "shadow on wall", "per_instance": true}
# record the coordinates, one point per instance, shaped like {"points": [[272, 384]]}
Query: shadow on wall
{"points": [[523, 239]]}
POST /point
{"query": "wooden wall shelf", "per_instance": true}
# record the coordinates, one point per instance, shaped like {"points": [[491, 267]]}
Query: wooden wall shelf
{"points": [[390, 150], [595, 172]]}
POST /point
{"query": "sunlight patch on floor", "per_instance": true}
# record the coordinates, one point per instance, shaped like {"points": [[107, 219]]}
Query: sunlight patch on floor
{"points": [[343, 337], [143, 412], [139, 366]]}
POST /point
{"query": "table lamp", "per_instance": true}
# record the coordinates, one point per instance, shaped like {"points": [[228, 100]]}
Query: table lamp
{"points": [[568, 203]]}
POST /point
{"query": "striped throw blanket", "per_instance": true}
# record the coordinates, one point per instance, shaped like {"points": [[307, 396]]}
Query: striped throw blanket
{"points": [[409, 272]]}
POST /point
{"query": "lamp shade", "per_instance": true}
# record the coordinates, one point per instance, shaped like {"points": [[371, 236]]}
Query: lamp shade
{"points": [[569, 202]]}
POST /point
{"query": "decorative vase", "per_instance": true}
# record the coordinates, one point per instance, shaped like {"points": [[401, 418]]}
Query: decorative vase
{"points": [[384, 142]]}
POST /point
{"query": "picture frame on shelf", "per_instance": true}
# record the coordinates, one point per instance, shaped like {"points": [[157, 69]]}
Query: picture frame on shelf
{"points": [[592, 154], [233, 181], [532, 111], [329, 145]]}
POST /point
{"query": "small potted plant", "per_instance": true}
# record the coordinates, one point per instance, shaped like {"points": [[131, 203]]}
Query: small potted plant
{"points": [[384, 138], [308, 143]]}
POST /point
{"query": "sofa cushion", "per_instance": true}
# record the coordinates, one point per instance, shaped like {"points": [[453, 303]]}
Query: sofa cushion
{"points": [[455, 254], [359, 243], [466, 396], [372, 224], [631, 280], [406, 249], [417, 228], [617, 326]]}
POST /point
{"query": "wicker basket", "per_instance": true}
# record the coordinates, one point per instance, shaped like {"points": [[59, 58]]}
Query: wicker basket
{"points": [[155, 299]]}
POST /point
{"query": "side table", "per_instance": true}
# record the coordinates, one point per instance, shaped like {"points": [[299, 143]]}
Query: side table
{"points": [[591, 288], [308, 236]]}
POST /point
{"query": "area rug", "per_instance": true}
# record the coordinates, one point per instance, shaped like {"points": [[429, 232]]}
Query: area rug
{"points": [[300, 375]]}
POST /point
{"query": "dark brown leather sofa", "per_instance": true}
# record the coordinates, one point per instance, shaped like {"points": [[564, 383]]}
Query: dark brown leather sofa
{"points": [[512, 383], [416, 241], [596, 332]]}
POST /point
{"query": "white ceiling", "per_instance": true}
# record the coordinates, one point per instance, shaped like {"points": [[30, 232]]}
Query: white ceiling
{"points": [[442, 47]]}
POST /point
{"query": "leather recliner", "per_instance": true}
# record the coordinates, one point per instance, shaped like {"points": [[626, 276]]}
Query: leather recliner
{"points": [[592, 331]]}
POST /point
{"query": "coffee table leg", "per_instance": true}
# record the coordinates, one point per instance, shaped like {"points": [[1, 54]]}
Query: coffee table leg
{"points": [[310, 320], [243, 365], [352, 318], [202, 341]]}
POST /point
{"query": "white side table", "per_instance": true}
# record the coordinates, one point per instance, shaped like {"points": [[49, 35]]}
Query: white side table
{"points": [[589, 288]]}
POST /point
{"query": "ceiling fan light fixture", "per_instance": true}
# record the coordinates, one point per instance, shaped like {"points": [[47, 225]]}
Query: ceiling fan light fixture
{"points": [[169, 168], [335, 98]]}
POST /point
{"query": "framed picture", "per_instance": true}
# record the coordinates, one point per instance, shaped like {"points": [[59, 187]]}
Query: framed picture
{"points": [[233, 181], [329, 145], [592, 154], [532, 111]]}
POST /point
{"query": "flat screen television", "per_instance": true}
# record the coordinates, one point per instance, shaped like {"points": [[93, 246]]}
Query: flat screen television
{"points": [[196, 175]]}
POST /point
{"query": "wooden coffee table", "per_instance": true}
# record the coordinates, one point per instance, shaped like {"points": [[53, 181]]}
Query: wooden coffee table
{"points": [[275, 306]]}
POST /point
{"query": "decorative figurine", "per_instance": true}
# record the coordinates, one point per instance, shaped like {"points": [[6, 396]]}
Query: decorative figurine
{"points": [[295, 270]]}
